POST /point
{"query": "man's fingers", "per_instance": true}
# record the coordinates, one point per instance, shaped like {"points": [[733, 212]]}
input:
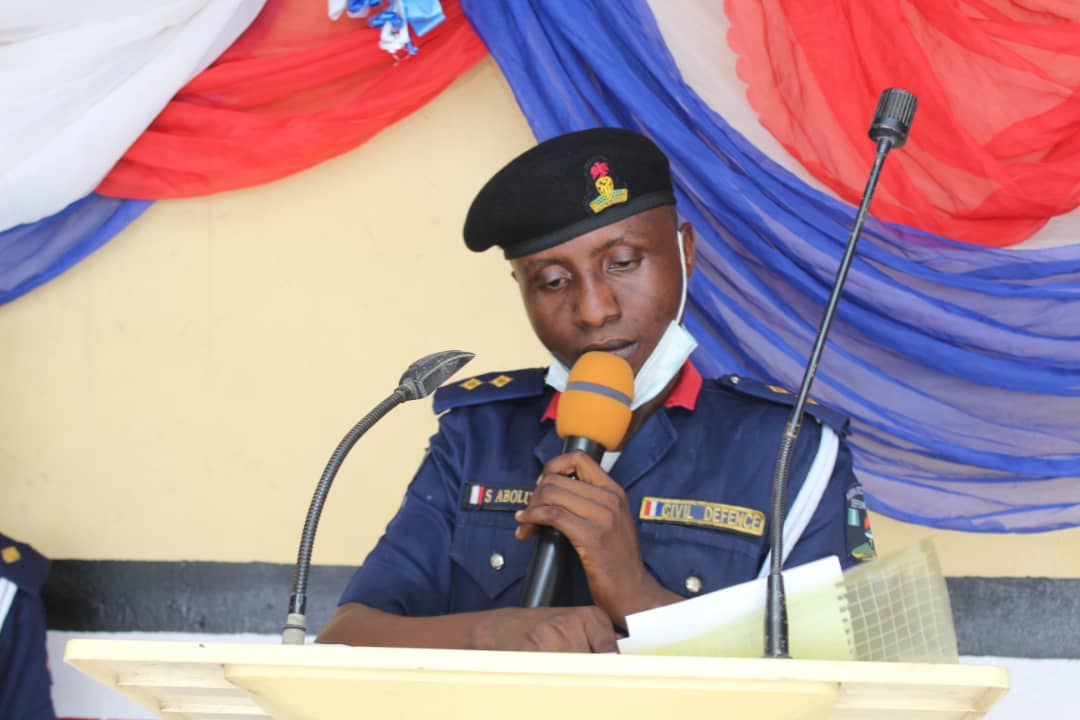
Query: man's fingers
{"points": [[574, 527], [590, 503], [581, 629], [599, 631], [581, 466], [562, 633], [560, 502]]}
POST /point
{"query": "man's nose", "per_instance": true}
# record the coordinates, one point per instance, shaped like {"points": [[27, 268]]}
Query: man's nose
{"points": [[597, 303]]}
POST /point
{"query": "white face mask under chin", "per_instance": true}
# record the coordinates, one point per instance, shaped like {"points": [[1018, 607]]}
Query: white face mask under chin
{"points": [[663, 364]]}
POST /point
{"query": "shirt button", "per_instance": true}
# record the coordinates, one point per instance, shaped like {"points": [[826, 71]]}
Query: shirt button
{"points": [[734, 379], [693, 584], [496, 561]]}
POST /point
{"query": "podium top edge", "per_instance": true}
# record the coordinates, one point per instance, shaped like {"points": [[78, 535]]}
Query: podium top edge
{"points": [[87, 652]]}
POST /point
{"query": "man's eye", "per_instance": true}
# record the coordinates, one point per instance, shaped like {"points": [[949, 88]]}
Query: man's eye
{"points": [[552, 283], [623, 264]]}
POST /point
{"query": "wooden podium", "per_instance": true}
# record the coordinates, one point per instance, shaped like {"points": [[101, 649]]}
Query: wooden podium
{"points": [[225, 681]]}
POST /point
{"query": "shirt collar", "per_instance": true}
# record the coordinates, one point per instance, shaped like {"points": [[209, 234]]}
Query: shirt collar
{"points": [[684, 394]]}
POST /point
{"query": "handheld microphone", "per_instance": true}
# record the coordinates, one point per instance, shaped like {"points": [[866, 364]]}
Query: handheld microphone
{"points": [[594, 415], [889, 129], [419, 380]]}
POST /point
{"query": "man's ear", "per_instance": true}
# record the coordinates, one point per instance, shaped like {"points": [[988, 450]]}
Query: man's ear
{"points": [[687, 231]]}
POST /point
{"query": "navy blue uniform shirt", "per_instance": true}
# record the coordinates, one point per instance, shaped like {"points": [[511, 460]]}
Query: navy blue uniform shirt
{"points": [[24, 672], [697, 474]]}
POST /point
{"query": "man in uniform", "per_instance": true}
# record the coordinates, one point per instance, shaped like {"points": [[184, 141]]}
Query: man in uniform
{"points": [[588, 223], [24, 672]]}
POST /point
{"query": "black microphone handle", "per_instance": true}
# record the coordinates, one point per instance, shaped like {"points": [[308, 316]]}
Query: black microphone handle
{"points": [[552, 552]]}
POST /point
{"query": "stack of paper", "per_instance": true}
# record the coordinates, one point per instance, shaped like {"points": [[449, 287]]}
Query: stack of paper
{"points": [[731, 622], [890, 609]]}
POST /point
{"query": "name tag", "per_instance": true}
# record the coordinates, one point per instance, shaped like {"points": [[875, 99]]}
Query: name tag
{"points": [[699, 513], [500, 498]]}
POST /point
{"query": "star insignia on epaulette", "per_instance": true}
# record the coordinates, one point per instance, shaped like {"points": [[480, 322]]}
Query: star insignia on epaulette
{"points": [[496, 386], [785, 391], [11, 554], [499, 381]]}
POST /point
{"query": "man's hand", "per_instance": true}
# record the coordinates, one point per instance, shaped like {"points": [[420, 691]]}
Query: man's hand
{"points": [[567, 629], [564, 629], [593, 513]]}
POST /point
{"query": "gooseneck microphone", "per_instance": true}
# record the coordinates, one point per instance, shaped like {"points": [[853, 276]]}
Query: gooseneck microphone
{"points": [[594, 415], [889, 129], [419, 380]]}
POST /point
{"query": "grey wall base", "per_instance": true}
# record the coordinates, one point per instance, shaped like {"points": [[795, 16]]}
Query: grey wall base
{"points": [[1008, 617]]}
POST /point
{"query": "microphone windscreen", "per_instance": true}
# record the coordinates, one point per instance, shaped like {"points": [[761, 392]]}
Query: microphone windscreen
{"points": [[596, 402], [893, 116]]}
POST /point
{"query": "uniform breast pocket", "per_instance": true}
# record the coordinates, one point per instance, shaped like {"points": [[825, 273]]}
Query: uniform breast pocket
{"points": [[690, 560], [489, 562]]}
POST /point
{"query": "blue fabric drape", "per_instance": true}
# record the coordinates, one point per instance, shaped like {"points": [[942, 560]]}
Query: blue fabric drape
{"points": [[959, 365], [35, 253]]}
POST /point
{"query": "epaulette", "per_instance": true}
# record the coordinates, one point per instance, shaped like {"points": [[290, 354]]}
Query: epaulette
{"points": [[742, 385], [490, 387], [22, 565]]}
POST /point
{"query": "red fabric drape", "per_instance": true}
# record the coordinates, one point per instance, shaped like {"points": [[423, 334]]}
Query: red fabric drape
{"points": [[994, 150], [295, 89]]}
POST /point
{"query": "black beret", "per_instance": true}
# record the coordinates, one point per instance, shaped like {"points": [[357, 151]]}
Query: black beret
{"points": [[567, 186]]}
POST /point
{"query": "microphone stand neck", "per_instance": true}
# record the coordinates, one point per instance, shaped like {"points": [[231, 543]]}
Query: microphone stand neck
{"points": [[776, 623], [295, 629]]}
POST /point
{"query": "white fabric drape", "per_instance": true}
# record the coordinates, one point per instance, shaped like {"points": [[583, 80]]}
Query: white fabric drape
{"points": [[79, 82]]}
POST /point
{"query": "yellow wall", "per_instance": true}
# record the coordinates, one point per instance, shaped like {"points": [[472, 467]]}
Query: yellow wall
{"points": [[176, 395]]}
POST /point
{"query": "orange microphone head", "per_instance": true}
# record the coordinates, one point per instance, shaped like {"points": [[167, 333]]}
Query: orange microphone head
{"points": [[596, 402]]}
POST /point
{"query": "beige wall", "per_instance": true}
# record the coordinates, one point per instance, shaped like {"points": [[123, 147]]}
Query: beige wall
{"points": [[176, 395]]}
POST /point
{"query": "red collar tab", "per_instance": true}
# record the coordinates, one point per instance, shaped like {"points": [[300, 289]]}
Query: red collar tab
{"points": [[684, 394], [686, 390]]}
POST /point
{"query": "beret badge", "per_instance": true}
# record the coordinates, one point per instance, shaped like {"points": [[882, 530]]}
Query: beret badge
{"points": [[605, 186]]}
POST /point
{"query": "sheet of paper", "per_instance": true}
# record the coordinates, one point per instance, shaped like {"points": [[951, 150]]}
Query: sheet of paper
{"points": [[731, 622]]}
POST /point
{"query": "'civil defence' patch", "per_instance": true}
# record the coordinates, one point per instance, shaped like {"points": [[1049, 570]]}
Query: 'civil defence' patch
{"points": [[699, 513], [501, 498]]}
